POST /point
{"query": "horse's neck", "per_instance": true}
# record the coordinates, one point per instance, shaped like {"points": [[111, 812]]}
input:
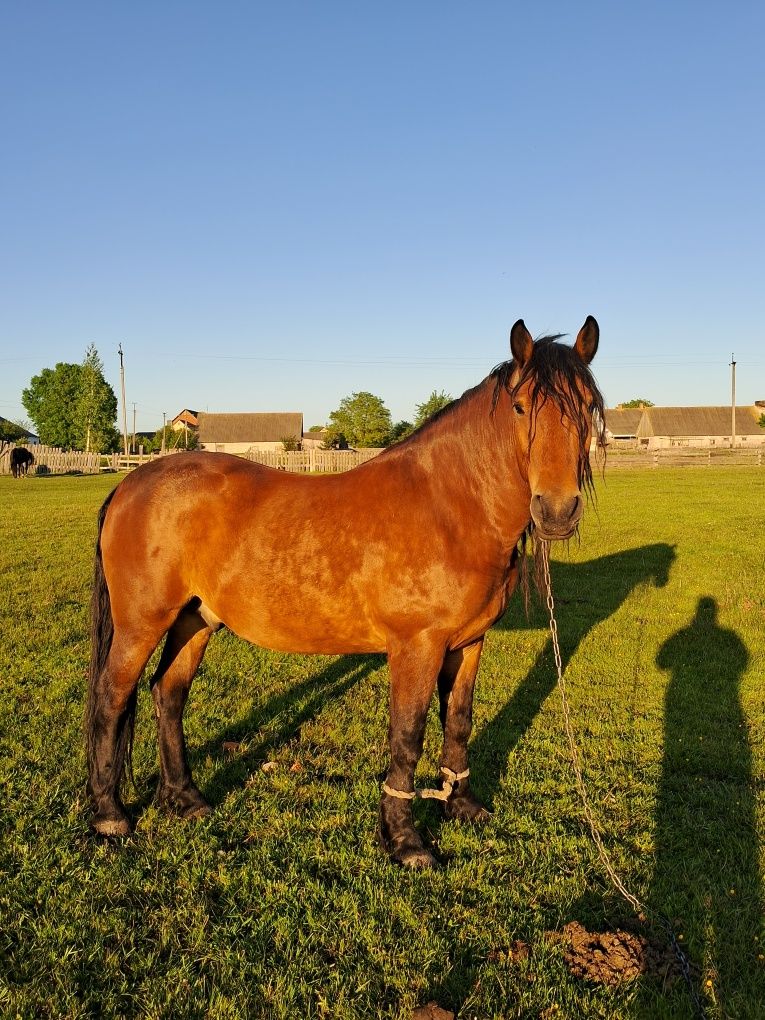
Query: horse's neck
{"points": [[475, 458]]}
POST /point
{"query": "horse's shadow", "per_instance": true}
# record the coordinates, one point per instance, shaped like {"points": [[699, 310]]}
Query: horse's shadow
{"points": [[591, 591], [271, 723]]}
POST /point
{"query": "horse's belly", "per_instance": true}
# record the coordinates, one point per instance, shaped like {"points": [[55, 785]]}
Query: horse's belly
{"points": [[289, 629]]}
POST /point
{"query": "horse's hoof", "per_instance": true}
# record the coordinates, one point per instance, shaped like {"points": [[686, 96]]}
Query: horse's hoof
{"points": [[187, 803], [466, 808], [194, 813], [111, 827], [416, 858]]}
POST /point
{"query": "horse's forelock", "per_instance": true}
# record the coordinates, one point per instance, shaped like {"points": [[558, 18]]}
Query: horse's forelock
{"points": [[556, 372]]}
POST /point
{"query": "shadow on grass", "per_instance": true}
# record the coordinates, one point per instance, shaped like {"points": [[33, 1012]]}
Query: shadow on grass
{"points": [[279, 719], [588, 593], [707, 871]]}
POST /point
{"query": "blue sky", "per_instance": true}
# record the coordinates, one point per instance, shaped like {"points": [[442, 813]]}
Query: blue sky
{"points": [[271, 206]]}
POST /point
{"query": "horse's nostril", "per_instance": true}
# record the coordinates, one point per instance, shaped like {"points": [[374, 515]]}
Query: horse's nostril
{"points": [[576, 508], [556, 515]]}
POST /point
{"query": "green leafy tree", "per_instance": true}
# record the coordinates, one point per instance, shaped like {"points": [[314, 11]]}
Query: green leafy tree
{"points": [[761, 421], [435, 402], [51, 401], [638, 402], [96, 410], [73, 406], [399, 431], [173, 440], [363, 419], [334, 440], [11, 431]]}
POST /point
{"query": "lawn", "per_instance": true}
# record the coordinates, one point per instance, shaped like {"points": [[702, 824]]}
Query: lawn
{"points": [[280, 905]]}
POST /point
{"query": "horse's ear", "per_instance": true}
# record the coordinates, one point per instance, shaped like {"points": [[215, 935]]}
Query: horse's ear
{"points": [[521, 343], [587, 341]]}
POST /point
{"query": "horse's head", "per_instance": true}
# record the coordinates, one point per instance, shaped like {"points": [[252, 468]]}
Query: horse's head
{"points": [[553, 397]]}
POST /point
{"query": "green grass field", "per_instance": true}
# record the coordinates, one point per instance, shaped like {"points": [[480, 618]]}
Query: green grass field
{"points": [[281, 906]]}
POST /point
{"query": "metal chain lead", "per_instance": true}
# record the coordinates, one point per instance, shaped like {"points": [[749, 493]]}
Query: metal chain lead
{"points": [[603, 854]]}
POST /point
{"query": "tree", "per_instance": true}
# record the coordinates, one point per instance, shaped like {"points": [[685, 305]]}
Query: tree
{"points": [[399, 431], [761, 421], [334, 440], [638, 402], [362, 418], [435, 402], [51, 400], [73, 406], [183, 439], [11, 431], [96, 410]]}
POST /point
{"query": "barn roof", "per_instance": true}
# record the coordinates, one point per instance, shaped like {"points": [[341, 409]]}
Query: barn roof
{"points": [[623, 421], [25, 433], [697, 421], [186, 415], [254, 427]]}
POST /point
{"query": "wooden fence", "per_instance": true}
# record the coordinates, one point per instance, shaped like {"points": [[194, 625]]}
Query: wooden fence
{"points": [[679, 456], [50, 460], [121, 462], [312, 460]]}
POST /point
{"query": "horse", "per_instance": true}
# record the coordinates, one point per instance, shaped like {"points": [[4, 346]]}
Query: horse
{"points": [[413, 554], [21, 458]]}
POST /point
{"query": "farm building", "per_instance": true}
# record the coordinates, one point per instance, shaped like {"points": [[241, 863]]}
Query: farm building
{"points": [[238, 433], [662, 427], [185, 419], [622, 422], [10, 431], [314, 440]]}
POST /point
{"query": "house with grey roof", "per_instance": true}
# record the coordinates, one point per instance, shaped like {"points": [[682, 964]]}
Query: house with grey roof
{"points": [[239, 433], [622, 422], [662, 427]]}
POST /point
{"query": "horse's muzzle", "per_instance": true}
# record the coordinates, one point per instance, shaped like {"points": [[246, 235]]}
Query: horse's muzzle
{"points": [[556, 519]]}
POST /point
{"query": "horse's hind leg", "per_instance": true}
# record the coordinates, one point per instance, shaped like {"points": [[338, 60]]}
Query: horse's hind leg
{"points": [[184, 648], [111, 713], [456, 682]]}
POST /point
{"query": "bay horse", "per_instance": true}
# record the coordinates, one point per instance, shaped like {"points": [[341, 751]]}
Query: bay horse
{"points": [[414, 554]]}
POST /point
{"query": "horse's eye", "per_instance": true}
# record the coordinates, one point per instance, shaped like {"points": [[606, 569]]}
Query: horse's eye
{"points": [[518, 408]]}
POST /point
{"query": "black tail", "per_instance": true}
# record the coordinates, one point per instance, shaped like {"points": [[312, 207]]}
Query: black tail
{"points": [[101, 634]]}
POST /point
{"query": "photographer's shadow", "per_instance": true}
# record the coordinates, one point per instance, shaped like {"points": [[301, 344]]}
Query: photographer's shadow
{"points": [[707, 872]]}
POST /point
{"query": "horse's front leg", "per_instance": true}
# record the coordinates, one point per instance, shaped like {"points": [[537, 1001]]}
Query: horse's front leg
{"points": [[456, 683], [414, 668]]}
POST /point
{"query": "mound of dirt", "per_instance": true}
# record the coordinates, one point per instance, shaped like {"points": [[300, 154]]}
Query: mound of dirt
{"points": [[432, 1011], [615, 957]]}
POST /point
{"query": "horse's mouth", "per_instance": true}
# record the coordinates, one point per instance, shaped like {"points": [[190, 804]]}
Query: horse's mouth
{"points": [[555, 536]]}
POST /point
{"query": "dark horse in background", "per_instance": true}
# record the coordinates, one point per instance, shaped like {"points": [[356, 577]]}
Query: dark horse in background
{"points": [[21, 458], [414, 554]]}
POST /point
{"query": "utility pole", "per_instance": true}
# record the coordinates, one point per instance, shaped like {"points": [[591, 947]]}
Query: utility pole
{"points": [[135, 445], [164, 426], [124, 408], [732, 402]]}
